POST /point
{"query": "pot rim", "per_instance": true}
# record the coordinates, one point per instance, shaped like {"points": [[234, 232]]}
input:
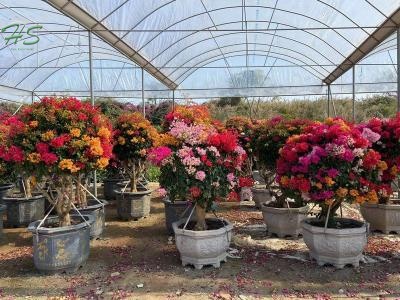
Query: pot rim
{"points": [[282, 210], [205, 233], [114, 179], [6, 186], [146, 192], [61, 230], [167, 201], [94, 206], [37, 196], [334, 231], [382, 206]]}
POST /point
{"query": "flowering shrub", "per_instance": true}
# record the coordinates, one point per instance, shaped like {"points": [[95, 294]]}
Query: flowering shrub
{"points": [[188, 114], [134, 136], [384, 137], [60, 140], [268, 138], [330, 163], [244, 128]]}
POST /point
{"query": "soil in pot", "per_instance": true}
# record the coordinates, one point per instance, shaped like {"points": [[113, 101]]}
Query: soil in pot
{"points": [[341, 244], [284, 222], [61, 249], [22, 211], [133, 205], [207, 247]]}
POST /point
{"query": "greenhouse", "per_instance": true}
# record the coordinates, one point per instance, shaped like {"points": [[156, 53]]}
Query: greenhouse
{"points": [[199, 149]]}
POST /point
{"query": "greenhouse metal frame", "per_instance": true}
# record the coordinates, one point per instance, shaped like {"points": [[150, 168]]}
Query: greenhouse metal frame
{"points": [[199, 49]]}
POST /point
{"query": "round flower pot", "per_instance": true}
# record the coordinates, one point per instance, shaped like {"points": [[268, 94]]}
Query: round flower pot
{"points": [[382, 217], [22, 211], [61, 249], [110, 185], [260, 196], [174, 211], [284, 221], [2, 210], [133, 206], [200, 248], [4, 190], [338, 247], [97, 211]]}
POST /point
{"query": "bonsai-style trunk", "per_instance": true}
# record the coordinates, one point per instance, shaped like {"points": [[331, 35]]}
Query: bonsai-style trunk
{"points": [[200, 218], [27, 185], [81, 196], [329, 214], [268, 176], [134, 168]]}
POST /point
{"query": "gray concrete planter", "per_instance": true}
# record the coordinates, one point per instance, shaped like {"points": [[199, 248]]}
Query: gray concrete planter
{"points": [[97, 211], [382, 217], [133, 206], [174, 212], [338, 247], [2, 210], [4, 190], [284, 221], [61, 249], [200, 248], [110, 185], [260, 196], [22, 211]]}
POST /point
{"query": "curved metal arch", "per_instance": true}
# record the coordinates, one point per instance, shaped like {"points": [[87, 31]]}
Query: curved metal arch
{"points": [[206, 62], [388, 48], [233, 33], [50, 61], [239, 44], [76, 62], [34, 8], [47, 49], [380, 47], [250, 6]]}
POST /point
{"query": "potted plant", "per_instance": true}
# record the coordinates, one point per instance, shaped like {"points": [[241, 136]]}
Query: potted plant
{"points": [[384, 135], [331, 163], [24, 207], [268, 137], [134, 136], [62, 140], [207, 164]]}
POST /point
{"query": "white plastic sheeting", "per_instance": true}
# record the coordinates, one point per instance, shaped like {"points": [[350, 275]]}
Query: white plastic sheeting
{"points": [[209, 48]]}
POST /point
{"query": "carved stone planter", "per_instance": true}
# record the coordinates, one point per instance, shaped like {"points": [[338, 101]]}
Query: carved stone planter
{"points": [[2, 210], [61, 249], [382, 217], [22, 211], [97, 211], [338, 247], [4, 190], [260, 196], [284, 221], [133, 206], [174, 212], [200, 248]]}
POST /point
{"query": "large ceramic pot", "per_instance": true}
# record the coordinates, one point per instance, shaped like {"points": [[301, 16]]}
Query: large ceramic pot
{"points": [[97, 211], [133, 205], [22, 211], [61, 249], [4, 190], [382, 217], [110, 185], [2, 210], [174, 211], [284, 221], [338, 247], [260, 196], [200, 248]]}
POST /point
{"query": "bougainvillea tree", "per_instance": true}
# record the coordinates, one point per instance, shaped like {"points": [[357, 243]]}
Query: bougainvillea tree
{"points": [[329, 163], [134, 136], [384, 135], [59, 140]]}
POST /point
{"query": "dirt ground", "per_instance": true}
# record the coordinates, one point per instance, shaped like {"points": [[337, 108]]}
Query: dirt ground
{"points": [[138, 260]]}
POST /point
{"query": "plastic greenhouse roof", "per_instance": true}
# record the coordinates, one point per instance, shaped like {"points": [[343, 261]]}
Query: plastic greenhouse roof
{"points": [[199, 48]]}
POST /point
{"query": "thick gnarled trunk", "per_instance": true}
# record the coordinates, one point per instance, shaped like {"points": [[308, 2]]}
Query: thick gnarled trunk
{"points": [[200, 218]]}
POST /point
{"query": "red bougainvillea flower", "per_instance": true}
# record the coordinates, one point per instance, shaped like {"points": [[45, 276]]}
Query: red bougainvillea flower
{"points": [[195, 191]]}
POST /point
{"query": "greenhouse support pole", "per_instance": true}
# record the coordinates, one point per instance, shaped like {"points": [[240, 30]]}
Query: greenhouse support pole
{"points": [[354, 93], [33, 97], [329, 101], [398, 69], [92, 98], [173, 99], [143, 106]]}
